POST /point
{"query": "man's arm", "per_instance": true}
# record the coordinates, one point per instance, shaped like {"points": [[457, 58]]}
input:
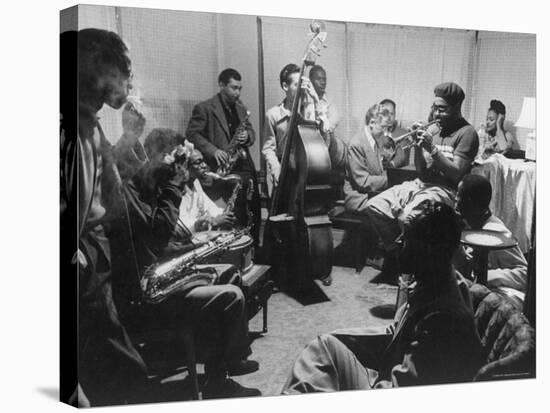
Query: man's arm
{"points": [[507, 268], [419, 161], [130, 155], [269, 149], [360, 174], [402, 156], [197, 131], [463, 155], [250, 134]]}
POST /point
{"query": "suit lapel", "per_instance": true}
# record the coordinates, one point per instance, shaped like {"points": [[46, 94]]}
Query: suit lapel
{"points": [[220, 115]]}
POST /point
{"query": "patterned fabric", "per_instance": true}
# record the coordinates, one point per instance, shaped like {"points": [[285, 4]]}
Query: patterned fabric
{"points": [[507, 338]]}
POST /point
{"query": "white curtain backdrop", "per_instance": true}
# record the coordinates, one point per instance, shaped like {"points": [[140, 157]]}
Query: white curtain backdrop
{"points": [[506, 71], [366, 63], [177, 56], [404, 64]]}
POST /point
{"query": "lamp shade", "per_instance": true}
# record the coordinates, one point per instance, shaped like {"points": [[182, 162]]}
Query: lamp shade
{"points": [[527, 117]]}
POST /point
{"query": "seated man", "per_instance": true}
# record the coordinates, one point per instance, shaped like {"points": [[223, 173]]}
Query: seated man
{"points": [[218, 312], [395, 130], [197, 212], [507, 268], [367, 160], [442, 156], [433, 340]]}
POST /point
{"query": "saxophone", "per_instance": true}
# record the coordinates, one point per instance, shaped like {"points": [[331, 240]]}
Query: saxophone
{"points": [[165, 278], [235, 150], [231, 201], [212, 176]]}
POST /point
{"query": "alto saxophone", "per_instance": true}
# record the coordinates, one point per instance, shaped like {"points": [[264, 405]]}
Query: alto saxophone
{"points": [[165, 278], [235, 150], [231, 201], [228, 178]]}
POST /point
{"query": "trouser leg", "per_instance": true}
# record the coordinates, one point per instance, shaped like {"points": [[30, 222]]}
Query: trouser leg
{"points": [[325, 365], [219, 314], [384, 209], [367, 344]]}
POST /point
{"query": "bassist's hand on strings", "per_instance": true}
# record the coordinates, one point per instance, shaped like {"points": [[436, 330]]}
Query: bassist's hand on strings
{"points": [[308, 88]]}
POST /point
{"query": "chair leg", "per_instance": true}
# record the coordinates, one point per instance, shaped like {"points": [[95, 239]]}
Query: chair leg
{"points": [[264, 317], [358, 253], [189, 346]]}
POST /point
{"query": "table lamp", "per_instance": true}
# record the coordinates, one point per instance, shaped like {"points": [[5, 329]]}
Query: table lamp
{"points": [[527, 119]]}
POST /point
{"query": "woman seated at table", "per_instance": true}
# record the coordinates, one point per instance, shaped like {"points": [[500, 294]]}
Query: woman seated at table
{"points": [[492, 136]]}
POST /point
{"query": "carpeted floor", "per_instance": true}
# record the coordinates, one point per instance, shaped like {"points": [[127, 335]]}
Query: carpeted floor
{"points": [[353, 301]]}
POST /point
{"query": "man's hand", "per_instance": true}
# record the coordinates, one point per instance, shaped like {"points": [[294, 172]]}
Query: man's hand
{"points": [[242, 137], [224, 220], [307, 86], [275, 176], [133, 121], [221, 157], [425, 141]]}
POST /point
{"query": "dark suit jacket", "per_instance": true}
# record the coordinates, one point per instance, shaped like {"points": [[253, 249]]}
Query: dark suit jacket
{"points": [[208, 129], [434, 341]]}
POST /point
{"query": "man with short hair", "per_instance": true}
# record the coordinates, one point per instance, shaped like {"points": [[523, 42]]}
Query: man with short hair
{"points": [[434, 338], [212, 127], [197, 212], [507, 268], [325, 109], [442, 156], [368, 159], [278, 117], [96, 70]]}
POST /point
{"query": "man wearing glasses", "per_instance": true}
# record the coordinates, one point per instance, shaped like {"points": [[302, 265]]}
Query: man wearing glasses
{"points": [[197, 211], [443, 155]]}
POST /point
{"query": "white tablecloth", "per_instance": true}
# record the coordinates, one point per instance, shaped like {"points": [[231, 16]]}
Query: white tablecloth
{"points": [[513, 201]]}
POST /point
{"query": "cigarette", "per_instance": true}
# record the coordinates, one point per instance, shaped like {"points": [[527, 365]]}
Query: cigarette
{"points": [[134, 100]]}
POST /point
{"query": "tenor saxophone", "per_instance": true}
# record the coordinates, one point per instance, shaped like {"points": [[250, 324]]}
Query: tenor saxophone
{"points": [[235, 150], [165, 278]]}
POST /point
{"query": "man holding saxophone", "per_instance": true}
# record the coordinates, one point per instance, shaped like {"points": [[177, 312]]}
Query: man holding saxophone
{"points": [[444, 153], [216, 310], [216, 127]]}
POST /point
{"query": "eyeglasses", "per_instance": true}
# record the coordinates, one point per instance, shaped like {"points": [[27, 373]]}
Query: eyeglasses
{"points": [[197, 162], [440, 108]]}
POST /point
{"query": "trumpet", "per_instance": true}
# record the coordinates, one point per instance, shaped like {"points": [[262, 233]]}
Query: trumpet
{"points": [[411, 135]]}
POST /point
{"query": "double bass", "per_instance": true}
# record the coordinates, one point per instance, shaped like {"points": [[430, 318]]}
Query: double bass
{"points": [[299, 230]]}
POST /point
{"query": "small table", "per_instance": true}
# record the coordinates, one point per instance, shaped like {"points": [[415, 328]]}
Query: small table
{"points": [[483, 241]]}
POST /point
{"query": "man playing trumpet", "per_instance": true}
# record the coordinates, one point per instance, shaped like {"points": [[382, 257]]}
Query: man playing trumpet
{"points": [[442, 155]]}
